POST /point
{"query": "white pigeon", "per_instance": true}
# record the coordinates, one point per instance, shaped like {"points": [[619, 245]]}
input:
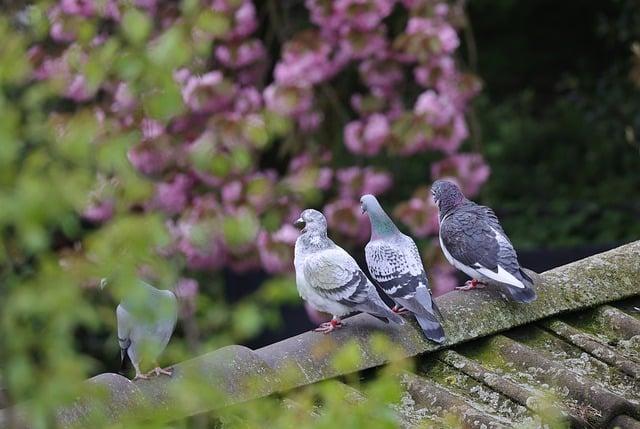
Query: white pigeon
{"points": [[395, 264], [329, 279], [146, 320]]}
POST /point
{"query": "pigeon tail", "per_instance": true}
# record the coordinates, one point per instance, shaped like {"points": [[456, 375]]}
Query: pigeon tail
{"points": [[524, 296], [431, 327], [381, 312]]}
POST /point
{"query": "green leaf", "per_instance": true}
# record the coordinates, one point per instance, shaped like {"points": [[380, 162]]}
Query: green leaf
{"points": [[136, 26], [213, 22]]}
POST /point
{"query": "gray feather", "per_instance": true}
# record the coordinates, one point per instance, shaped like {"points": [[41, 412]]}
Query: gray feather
{"points": [[395, 264], [329, 278]]}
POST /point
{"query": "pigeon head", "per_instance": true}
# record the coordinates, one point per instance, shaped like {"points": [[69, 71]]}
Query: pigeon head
{"points": [[312, 221], [447, 195], [369, 203], [381, 223]]}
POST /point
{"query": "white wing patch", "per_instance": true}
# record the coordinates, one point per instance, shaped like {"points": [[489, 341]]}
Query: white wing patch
{"points": [[502, 276]]}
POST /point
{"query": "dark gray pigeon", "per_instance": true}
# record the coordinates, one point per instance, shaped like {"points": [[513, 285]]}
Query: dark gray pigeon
{"points": [[329, 279], [146, 319], [473, 241], [394, 262]]}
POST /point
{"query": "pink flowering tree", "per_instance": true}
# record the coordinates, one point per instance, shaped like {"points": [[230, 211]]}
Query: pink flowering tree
{"points": [[239, 114]]}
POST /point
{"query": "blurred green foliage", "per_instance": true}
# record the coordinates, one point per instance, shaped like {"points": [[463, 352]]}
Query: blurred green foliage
{"points": [[559, 119]]}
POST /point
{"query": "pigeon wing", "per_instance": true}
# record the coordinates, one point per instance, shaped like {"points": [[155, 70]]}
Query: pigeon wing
{"points": [[475, 238], [470, 240], [334, 274], [398, 269]]}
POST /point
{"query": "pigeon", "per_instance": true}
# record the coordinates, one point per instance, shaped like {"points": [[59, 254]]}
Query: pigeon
{"points": [[395, 264], [474, 242], [329, 279], [146, 320]]}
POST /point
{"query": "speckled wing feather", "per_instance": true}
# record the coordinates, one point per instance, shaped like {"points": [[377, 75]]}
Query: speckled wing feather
{"points": [[335, 275], [397, 269]]}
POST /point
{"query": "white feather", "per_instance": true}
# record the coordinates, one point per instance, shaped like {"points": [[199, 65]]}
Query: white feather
{"points": [[502, 276]]}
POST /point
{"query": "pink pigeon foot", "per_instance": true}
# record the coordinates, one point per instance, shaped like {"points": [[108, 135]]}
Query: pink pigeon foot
{"points": [[472, 284], [399, 309], [330, 326]]}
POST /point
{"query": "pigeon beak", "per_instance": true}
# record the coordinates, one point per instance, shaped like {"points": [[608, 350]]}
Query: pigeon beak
{"points": [[299, 223], [363, 209], [103, 283]]}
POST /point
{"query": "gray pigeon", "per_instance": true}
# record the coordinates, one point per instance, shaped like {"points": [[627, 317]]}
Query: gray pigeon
{"points": [[394, 262], [146, 319], [329, 279], [473, 241]]}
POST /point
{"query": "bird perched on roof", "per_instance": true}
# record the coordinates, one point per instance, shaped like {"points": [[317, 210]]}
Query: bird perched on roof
{"points": [[146, 318], [394, 262], [328, 277], [474, 242]]}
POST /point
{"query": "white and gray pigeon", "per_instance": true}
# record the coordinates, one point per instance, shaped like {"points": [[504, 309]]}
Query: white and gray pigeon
{"points": [[395, 264], [329, 279], [146, 319], [474, 242]]}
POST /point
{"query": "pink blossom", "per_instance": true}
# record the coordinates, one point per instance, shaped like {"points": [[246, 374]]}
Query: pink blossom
{"points": [[435, 72], [355, 182], [149, 157], [232, 192], [77, 89], [123, 101], [420, 214], [99, 212], [381, 73], [149, 5], [172, 197], [243, 54], [276, 250], [469, 169], [427, 37], [244, 17], [305, 61], [85, 8], [443, 278], [61, 30], [325, 177], [358, 44], [208, 93], [363, 14], [310, 121], [151, 129], [187, 288], [344, 216], [186, 291], [288, 100], [248, 100], [368, 137]]}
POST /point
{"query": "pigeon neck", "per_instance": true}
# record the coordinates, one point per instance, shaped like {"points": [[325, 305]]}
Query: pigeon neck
{"points": [[450, 206], [381, 224], [315, 239]]}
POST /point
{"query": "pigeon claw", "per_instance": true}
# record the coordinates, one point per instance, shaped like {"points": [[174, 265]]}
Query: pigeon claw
{"points": [[157, 371], [472, 284], [330, 326], [398, 309], [141, 377]]}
